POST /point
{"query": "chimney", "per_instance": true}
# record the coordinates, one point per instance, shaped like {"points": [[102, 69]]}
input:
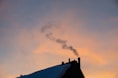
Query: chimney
{"points": [[79, 61], [69, 60]]}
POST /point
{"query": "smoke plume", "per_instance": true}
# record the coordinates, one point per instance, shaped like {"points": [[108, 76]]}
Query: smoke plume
{"points": [[49, 34]]}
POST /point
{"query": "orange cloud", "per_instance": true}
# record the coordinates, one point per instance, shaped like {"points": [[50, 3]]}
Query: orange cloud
{"points": [[4, 73], [102, 74], [87, 45], [40, 50]]}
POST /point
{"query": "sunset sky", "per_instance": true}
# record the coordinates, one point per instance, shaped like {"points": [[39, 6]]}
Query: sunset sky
{"points": [[90, 26]]}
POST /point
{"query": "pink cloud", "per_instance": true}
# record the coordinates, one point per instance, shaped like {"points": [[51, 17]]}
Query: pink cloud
{"points": [[4, 73], [33, 46]]}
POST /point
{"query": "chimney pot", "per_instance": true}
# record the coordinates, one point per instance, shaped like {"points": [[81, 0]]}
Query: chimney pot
{"points": [[79, 61], [69, 60]]}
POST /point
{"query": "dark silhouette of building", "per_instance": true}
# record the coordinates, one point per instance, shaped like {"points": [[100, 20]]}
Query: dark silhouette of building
{"points": [[70, 69], [74, 71]]}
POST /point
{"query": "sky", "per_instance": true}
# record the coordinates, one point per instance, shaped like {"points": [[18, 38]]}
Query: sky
{"points": [[90, 26]]}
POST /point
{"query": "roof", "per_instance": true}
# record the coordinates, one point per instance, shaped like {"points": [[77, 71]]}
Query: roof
{"points": [[68, 70], [53, 72]]}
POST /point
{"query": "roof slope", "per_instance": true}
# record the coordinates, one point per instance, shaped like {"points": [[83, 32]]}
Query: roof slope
{"points": [[68, 70], [53, 72]]}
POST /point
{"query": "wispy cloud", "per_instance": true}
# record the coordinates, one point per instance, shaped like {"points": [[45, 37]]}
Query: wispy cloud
{"points": [[23, 42]]}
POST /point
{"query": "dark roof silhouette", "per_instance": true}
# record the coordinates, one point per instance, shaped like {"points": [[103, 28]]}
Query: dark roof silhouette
{"points": [[66, 70], [74, 71]]}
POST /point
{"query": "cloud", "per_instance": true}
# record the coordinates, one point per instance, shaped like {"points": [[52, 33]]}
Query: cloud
{"points": [[4, 73], [103, 74], [86, 43], [97, 49]]}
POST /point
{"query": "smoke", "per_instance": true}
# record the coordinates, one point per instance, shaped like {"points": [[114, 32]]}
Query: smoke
{"points": [[70, 48], [46, 27], [49, 34]]}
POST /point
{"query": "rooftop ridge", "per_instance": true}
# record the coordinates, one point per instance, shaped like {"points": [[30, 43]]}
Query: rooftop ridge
{"points": [[65, 69]]}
